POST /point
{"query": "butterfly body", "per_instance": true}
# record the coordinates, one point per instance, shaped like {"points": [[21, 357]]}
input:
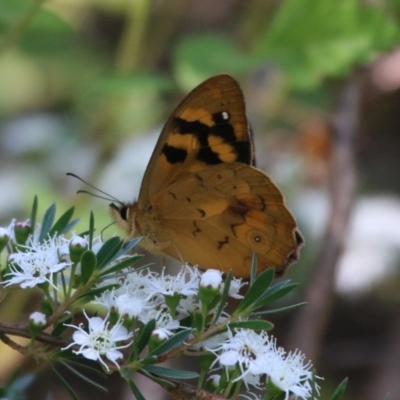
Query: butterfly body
{"points": [[201, 200]]}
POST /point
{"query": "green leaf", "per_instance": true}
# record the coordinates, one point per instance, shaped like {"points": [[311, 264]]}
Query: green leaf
{"points": [[62, 222], [91, 229], [340, 389], [275, 295], [89, 296], [82, 376], [171, 343], [277, 310], [127, 262], [64, 383], [34, 214], [170, 373], [128, 246], [256, 290], [47, 223], [198, 321], [88, 265], [162, 382], [76, 361], [144, 336], [198, 57], [135, 390], [253, 269], [309, 45], [108, 251], [254, 324], [224, 296]]}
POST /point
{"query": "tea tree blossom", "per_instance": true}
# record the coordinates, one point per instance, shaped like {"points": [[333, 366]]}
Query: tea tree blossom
{"points": [[37, 263], [290, 374], [100, 340], [256, 355], [185, 283]]}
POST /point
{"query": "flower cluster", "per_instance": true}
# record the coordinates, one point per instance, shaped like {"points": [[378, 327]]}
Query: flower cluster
{"points": [[255, 359], [190, 304]]}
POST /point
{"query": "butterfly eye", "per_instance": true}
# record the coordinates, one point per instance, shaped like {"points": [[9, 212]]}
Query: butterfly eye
{"points": [[123, 212]]}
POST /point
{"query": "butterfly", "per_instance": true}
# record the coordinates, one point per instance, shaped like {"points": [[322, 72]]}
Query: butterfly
{"points": [[202, 201]]}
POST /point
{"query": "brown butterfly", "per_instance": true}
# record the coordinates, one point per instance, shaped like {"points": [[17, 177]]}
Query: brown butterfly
{"points": [[202, 201]]}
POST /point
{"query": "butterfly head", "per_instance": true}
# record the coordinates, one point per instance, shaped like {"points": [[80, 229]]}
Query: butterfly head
{"points": [[124, 216]]}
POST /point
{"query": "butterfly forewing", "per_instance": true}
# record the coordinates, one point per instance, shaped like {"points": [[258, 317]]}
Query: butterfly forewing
{"points": [[208, 127]]}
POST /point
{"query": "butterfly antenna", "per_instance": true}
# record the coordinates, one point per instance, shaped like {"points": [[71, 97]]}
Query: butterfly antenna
{"points": [[109, 197]]}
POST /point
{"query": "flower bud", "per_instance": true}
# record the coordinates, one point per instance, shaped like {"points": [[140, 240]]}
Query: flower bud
{"points": [[37, 322], [22, 231], [77, 246], [4, 238]]}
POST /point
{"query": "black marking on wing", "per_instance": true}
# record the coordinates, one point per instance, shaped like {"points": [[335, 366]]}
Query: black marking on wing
{"points": [[221, 117], [173, 154], [198, 230], [202, 212], [221, 243], [172, 194], [222, 129]]}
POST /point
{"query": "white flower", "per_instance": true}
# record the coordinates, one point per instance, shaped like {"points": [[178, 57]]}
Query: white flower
{"points": [[8, 231], [212, 278], [289, 373], [234, 288], [134, 286], [38, 263], [168, 285], [246, 349], [164, 320], [100, 341], [129, 305], [38, 318]]}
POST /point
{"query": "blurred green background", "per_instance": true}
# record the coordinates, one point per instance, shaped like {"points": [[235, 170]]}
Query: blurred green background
{"points": [[85, 86]]}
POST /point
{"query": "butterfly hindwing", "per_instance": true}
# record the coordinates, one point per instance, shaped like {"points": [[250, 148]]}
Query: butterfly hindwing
{"points": [[219, 216]]}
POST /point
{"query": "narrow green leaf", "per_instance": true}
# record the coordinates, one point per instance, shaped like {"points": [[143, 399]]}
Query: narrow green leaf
{"points": [[135, 390], [253, 270], [47, 223], [254, 324], [88, 265], [171, 373], [258, 288], [277, 310], [224, 296], [91, 229], [82, 376], [69, 226], [149, 360], [80, 365], [127, 262], [144, 336], [62, 222], [108, 251], [128, 246], [162, 382], [34, 213], [64, 383], [198, 321], [171, 343], [274, 296], [340, 389]]}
